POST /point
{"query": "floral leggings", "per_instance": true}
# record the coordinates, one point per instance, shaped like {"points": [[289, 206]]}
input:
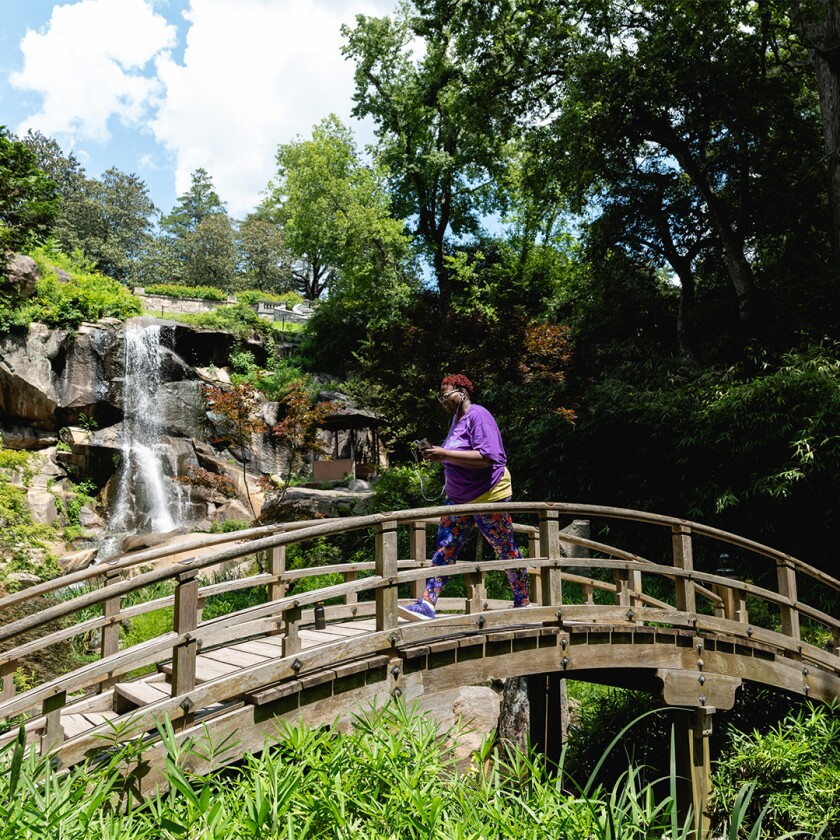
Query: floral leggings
{"points": [[497, 529]]}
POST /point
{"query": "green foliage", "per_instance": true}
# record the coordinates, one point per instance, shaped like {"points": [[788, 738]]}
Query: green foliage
{"points": [[195, 292], [228, 526], [254, 296], [393, 774], [273, 381], [404, 486], [84, 296], [24, 545], [335, 212], [28, 198], [795, 769]]}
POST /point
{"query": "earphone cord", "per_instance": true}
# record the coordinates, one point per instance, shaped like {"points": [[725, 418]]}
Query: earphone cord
{"points": [[415, 452]]}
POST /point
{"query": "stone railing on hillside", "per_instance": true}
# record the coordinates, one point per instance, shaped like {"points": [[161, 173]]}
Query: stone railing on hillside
{"points": [[269, 310]]}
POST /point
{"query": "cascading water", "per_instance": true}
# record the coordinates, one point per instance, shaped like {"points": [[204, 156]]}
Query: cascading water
{"points": [[147, 499]]}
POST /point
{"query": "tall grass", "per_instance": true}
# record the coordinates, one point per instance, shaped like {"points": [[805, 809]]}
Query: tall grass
{"points": [[393, 775]]}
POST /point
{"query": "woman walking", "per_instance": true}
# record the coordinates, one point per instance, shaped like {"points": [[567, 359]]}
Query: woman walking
{"points": [[475, 471]]}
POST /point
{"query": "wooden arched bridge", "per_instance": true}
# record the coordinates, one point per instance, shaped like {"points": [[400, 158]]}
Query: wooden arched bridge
{"points": [[594, 618]]}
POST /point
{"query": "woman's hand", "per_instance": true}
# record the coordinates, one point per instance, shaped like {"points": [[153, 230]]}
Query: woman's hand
{"points": [[435, 454], [472, 459]]}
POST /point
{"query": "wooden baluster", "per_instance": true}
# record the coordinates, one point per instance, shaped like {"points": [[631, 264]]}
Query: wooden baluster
{"points": [[186, 620], [683, 559], [277, 568], [621, 577], [53, 730], [786, 576], [351, 597], [277, 588], [534, 580], [552, 583], [634, 585], [110, 643], [291, 637], [386, 567], [835, 641], [417, 552], [476, 589], [7, 674]]}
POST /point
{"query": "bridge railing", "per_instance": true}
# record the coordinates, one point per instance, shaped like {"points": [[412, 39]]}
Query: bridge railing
{"points": [[284, 614]]}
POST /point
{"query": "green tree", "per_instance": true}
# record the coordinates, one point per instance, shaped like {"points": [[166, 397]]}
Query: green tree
{"points": [[28, 197], [609, 92], [443, 163], [263, 255], [109, 219], [193, 207], [209, 253], [336, 219]]}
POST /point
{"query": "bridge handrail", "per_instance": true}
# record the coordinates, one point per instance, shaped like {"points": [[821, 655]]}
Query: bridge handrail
{"points": [[181, 641], [127, 560], [119, 588], [216, 630]]}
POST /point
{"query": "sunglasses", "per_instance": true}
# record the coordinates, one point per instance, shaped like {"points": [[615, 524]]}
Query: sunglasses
{"points": [[442, 398]]}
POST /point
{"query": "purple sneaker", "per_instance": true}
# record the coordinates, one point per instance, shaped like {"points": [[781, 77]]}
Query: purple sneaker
{"points": [[421, 610]]}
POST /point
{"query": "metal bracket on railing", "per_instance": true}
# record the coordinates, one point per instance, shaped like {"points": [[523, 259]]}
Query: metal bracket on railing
{"points": [[186, 704], [297, 665]]}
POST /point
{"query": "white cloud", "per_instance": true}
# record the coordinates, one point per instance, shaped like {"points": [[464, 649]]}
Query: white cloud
{"points": [[255, 73], [88, 65]]}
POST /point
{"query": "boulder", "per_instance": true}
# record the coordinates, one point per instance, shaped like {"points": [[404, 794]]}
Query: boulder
{"points": [[24, 578], [89, 518], [42, 505], [27, 382], [181, 408], [20, 276], [77, 560], [232, 509], [471, 712], [309, 503], [25, 437], [91, 379]]}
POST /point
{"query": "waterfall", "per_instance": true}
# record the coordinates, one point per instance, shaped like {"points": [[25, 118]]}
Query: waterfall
{"points": [[147, 499]]}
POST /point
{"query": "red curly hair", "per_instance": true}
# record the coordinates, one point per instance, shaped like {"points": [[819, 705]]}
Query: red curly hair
{"points": [[458, 380]]}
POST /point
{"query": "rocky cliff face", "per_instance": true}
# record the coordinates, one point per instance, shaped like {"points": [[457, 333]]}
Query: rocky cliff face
{"points": [[63, 395]]}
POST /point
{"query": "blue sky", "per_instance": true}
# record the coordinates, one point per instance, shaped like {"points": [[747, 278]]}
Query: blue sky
{"points": [[162, 87]]}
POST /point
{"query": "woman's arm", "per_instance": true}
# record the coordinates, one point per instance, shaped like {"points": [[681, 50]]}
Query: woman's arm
{"points": [[471, 459]]}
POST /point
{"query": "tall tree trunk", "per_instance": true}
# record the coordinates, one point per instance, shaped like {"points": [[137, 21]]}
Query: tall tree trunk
{"points": [[819, 25], [734, 259]]}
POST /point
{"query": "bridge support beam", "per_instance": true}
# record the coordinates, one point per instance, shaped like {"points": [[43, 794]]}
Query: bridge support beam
{"points": [[549, 710], [694, 768]]}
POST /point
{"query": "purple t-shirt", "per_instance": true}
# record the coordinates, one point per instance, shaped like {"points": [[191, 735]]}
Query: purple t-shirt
{"points": [[475, 430]]}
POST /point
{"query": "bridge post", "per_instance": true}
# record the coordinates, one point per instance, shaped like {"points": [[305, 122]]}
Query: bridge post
{"points": [[683, 559], [291, 638], [53, 730], [186, 620], [386, 567], [552, 584], [277, 568], [694, 768], [110, 643], [534, 580], [545, 701], [417, 552], [786, 577], [7, 674]]}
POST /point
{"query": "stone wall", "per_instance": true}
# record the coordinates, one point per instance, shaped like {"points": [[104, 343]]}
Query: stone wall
{"points": [[164, 304]]}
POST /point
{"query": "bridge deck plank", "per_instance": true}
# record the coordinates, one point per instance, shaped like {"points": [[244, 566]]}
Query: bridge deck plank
{"points": [[231, 656]]}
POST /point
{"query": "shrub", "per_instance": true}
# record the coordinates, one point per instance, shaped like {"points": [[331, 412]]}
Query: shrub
{"points": [[193, 292], [85, 296], [253, 296], [795, 768]]}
